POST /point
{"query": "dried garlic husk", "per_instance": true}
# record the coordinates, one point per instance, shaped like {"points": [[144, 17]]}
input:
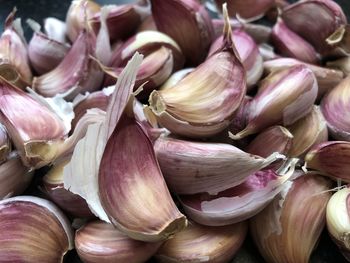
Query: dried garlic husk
{"points": [[273, 139], [78, 13], [288, 229], [14, 64], [330, 158], [248, 52], [290, 44], [44, 53], [100, 242], [240, 202], [248, 10], [122, 20], [195, 21], [327, 78], [28, 121], [195, 167], [14, 177], [55, 29], [33, 230], [67, 201], [334, 107], [204, 102], [284, 97], [199, 243], [338, 220], [307, 132], [326, 16]]}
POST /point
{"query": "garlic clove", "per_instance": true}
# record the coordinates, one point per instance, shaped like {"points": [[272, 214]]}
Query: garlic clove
{"points": [[194, 167], [14, 64], [291, 44], [273, 139], [27, 120], [307, 132], [248, 52], [78, 13], [249, 10], [155, 69], [240, 202], [283, 97], [81, 173], [326, 78], [199, 243], [195, 21], [67, 201], [338, 221], [122, 21], [55, 29], [44, 53], [28, 223], [145, 43], [204, 102], [5, 144], [144, 186], [327, 16], [219, 23], [288, 229], [334, 107], [14, 177], [240, 120], [77, 72], [331, 159], [71, 72], [100, 242], [176, 77]]}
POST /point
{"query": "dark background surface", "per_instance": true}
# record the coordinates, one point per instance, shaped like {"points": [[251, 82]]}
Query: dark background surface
{"points": [[326, 251]]}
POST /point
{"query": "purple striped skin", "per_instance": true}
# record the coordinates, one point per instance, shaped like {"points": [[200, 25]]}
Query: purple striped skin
{"points": [[331, 159], [30, 233], [131, 186]]}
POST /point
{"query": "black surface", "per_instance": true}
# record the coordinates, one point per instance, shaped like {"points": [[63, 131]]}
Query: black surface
{"points": [[326, 251]]}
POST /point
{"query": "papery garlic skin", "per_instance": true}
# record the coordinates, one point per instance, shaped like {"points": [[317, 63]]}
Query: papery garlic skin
{"points": [[288, 229], [100, 242], [338, 220], [290, 44], [55, 29], [199, 243], [334, 107], [283, 97], [195, 20], [29, 223], [5, 144]]}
